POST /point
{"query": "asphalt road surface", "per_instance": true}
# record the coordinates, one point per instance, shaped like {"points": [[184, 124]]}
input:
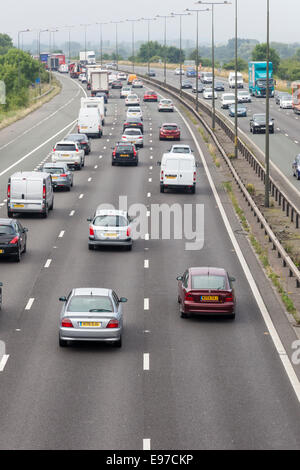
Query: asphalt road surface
{"points": [[176, 383]]}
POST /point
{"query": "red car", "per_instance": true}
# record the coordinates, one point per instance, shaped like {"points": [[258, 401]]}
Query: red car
{"points": [[169, 131], [204, 291], [150, 96]]}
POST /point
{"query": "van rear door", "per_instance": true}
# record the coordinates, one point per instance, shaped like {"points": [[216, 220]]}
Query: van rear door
{"points": [[171, 172], [186, 172]]}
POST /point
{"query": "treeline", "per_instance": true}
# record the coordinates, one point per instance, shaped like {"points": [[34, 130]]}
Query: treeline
{"points": [[18, 71]]}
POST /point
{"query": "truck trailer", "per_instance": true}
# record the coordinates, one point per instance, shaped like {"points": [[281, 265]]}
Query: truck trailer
{"points": [[99, 82]]}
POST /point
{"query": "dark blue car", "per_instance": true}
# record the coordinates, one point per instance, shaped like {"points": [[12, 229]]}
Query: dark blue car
{"points": [[191, 73]]}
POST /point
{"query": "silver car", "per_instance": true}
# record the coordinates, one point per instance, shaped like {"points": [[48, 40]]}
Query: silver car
{"points": [[61, 176], [91, 314], [110, 227], [133, 136]]}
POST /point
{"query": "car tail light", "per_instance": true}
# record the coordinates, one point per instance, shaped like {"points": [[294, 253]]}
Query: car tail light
{"points": [[77, 150], [189, 297], [14, 240], [140, 137], [229, 298], [63, 175], [44, 192], [66, 323], [195, 176], [114, 153], [53, 149], [113, 324], [8, 191], [92, 233], [128, 233], [134, 152], [162, 174]]}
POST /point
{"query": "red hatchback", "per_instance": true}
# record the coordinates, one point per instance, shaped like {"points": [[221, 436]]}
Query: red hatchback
{"points": [[150, 96], [169, 131], [205, 291]]}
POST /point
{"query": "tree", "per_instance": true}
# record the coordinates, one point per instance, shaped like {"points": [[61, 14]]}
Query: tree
{"points": [[242, 65], [193, 56], [5, 43], [259, 53]]}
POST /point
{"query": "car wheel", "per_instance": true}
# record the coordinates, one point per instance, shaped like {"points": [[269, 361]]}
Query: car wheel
{"points": [[52, 205], [45, 213], [193, 190], [91, 247], [232, 316], [18, 256], [25, 248], [118, 344], [183, 315], [129, 247], [63, 343], [10, 214], [298, 177], [162, 189]]}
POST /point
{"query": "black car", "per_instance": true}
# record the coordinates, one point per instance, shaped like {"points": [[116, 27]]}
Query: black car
{"points": [[13, 238], [117, 84], [219, 86], [134, 123], [186, 84], [151, 73], [258, 124], [101, 94], [125, 153], [82, 140]]}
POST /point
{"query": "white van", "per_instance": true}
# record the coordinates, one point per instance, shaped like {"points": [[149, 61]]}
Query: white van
{"points": [[29, 192], [178, 171], [231, 80], [90, 122], [93, 102]]}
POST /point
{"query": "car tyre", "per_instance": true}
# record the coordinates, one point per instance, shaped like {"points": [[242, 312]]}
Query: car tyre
{"points": [[231, 316], [18, 256], [162, 189], [10, 214], [63, 343], [118, 344], [91, 247]]}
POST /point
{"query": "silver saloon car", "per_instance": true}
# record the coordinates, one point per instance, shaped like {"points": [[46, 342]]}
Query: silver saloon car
{"points": [[110, 228], [62, 177], [91, 314]]}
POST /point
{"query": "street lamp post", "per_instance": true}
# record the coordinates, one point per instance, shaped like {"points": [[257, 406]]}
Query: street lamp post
{"points": [[85, 51], [197, 54], [236, 91], [165, 43], [39, 53], [267, 155], [117, 50], [148, 20], [19, 74], [212, 4], [101, 41], [180, 41], [133, 51]]}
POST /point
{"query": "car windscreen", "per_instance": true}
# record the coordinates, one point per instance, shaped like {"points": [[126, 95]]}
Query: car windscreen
{"points": [[170, 128], [6, 230], [124, 148], [259, 117], [90, 303], [208, 282], [134, 110], [110, 221], [243, 93], [65, 147], [166, 101], [181, 150], [228, 98]]}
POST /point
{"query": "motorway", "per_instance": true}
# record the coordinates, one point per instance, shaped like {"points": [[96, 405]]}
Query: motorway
{"points": [[284, 144], [175, 384]]}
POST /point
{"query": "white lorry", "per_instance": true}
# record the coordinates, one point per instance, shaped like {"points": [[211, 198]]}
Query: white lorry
{"points": [[231, 80], [99, 82], [87, 57]]}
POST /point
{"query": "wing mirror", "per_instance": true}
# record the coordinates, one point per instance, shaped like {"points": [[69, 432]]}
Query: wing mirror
{"points": [[63, 299], [232, 279], [197, 164], [158, 163], [123, 300], [179, 278], [89, 219]]}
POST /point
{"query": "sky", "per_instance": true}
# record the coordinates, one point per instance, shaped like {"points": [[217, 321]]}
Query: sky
{"points": [[37, 14]]}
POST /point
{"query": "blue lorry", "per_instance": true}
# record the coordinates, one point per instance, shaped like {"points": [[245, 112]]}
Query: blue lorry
{"points": [[258, 79]]}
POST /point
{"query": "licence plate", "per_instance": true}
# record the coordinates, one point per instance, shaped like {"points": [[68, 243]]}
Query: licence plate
{"points": [[123, 155], [111, 235], [65, 155], [18, 205], [170, 137], [84, 127], [89, 324], [171, 177], [54, 177], [1, 252], [209, 298]]}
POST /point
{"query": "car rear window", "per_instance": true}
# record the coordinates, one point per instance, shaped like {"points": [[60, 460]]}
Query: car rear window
{"points": [[181, 150], [110, 221], [54, 171], [132, 132], [170, 128], [90, 303], [208, 282], [63, 147], [6, 230], [124, 148]]}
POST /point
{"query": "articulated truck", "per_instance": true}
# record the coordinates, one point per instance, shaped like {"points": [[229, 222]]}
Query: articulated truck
{"points": [[258, 79]]}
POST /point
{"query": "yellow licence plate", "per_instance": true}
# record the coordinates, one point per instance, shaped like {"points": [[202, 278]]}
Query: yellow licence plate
{"points": [[84, 127], [65, 155], [124, 155], [171, 177], [111, 235], [18, 205], [209, 298], [1, 251], [90, 324], [54, 177]]}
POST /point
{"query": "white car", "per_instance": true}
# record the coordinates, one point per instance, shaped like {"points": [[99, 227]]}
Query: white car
{"points": [[70, 153], [286, 102], [110, 227], [132, 100], [227, 99], [133, 136], [186, 149], [137, 84], [208, 94], [178, 72], [166, 105], [122, 76], [135, 111], [125, 91], [244, 97], [82, 78]]}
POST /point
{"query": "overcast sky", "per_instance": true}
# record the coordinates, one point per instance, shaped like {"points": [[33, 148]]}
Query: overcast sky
{"points": [[22, 14]]}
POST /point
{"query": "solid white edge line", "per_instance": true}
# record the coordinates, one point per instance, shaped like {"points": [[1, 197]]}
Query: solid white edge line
{"points": [[256, 294], [3, 362]]}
